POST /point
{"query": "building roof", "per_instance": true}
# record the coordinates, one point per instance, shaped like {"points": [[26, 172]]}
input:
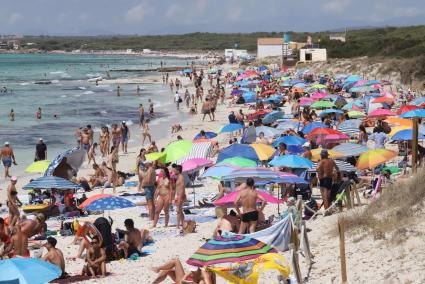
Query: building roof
{"points": [[270, 41]]}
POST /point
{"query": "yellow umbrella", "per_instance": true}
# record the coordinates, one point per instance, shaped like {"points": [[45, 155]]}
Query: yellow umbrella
{"points": [[374, 157], [332, 154], [38, 167], [263, 151], [156, 156], [398, 128]]}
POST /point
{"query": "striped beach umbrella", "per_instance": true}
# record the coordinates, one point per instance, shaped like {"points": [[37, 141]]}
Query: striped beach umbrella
{"points": [[49, 182], [350, 149], [74, 158], [228, 248], [200, 149], [255, 173], [342, 166]]}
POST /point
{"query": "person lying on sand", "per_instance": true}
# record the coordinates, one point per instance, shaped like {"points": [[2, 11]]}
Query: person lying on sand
{"points": [[96, 260], [174, 269], [229, 223], [54, 255], [134, 239]]}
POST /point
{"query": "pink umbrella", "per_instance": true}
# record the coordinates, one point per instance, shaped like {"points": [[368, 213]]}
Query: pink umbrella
{"points": [[318, 96], [304, 101], [229, 199], [360, 83], [331, 137], [381, 112], [195, 164]]}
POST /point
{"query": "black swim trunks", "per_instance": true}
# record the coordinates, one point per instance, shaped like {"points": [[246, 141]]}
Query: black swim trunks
{"points": [[326, 183], [250, 216]]}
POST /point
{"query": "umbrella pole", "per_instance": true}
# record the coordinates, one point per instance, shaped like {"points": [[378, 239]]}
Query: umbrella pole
{"points": [[278, 203]]}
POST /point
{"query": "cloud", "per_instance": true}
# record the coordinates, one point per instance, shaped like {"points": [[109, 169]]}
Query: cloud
{"points": [[15, 18], [138, 13], [335, 5]]}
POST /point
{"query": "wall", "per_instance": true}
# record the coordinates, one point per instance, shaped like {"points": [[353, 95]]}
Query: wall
{"points": [[268, 50], [317, 54]]}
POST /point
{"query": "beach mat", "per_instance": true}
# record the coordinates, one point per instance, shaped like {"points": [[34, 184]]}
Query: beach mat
{"points": [[77, 278]]}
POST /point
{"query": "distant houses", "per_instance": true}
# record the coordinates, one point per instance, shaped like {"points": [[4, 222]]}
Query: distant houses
{"points": [[10, 44], [338, 36]]}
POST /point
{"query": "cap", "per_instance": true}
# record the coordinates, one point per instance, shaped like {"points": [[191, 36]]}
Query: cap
{"points": [[324, 153], [14, 178], [41, 217], [123, 122], [306, 144], [40, 139], [6, 143]]}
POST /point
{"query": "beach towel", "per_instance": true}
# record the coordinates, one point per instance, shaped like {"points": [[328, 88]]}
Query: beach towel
{"points": [[277, 236]]}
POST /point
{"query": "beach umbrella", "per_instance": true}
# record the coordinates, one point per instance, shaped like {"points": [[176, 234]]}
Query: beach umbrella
{"points": [[255, 173], [239, 162], [177, 150], [228, 248], [200, 149], [28, 271], [238, 150], [318, 96], [273, 100], [356, 114], [318, 86], [391, 169], [49, 182], [268, 92], [334, 137], [406, 134], [156, 156], [93, 198], [219, 170], [399, 121], [342, 166], [231, 127], [208, 135], [291, 161], [255, 115], [73, 159], [322, 104], [272, 116], [293, 149], [195, 164], [313, 125], [414, 113], [329, 111], [298, 90], [332, 154], [418, 101], [263, 151], [38, 167], [396, 129], [383, 99], [306, 101], [350, 149], [289, 140], [374, 157], [229, 199], [350, 126], [381, 112], [352, 106], [104, 203], [322, 132], [406, 108], [288, 124], [268, 131]]}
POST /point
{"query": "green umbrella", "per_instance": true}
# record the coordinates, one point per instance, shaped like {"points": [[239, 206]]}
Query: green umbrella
{"points": [[177, 150], [318, 86], [356, 114], [392, 169], [322, 104], [156, 156], [239, 161]]}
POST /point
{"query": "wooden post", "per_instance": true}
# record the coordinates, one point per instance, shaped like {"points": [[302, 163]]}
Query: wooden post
{"points": [[295, 263], [305, 244], [415, 145], [342, 250]]}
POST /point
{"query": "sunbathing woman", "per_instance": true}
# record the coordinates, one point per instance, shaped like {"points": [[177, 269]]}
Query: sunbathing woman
{"points": [[162, 196], [174, 269]]}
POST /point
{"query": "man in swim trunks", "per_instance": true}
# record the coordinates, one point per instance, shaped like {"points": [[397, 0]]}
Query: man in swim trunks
{"points": [[7, 157], [148, 185], [180, 195], [54, 255], [96, 259], [133, 239], [85, 140], [116, 136], [325, 173], [247, 197], [141, 115]]}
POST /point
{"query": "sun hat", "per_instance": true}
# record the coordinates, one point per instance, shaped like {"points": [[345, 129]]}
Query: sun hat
{"points": [[306, 144], [6, 143], [14, 178], [324, 153]]}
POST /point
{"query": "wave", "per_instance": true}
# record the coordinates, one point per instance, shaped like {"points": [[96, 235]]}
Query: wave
{"points": [[103, 112], [88, 93], [55, 81], [63, 96], [57, 72], [25, 83]]}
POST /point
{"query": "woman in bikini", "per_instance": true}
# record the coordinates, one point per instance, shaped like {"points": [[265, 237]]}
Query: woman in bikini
{"points": [[140, 160], [163, 196], [113, 158], [116, 136], [13, 202], [145, 132], [103, 141]]}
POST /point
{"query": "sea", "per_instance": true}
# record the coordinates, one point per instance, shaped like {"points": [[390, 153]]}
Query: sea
{"points": [[75, 99]]}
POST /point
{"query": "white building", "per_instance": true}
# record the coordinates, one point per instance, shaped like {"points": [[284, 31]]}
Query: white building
{"points": [[313, 54], [269, 47], [235, 54], [338, 36]]}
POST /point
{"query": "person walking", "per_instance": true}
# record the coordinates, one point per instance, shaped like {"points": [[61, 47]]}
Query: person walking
{"points": [[177, 100], [7, 157], [40, 151], [325, 173]]}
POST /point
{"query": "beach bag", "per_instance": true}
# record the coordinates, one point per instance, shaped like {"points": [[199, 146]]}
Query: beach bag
{"points": [[180, 100]]}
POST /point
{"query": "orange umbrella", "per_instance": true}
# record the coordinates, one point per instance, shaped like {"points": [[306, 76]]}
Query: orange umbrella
{"points": [[298, 90], [374, 157], [383, 100], [399, 121]]}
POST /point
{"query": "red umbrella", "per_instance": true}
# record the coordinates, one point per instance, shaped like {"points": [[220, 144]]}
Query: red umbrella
{"points": [[323, 131], [383, 100], [256, 114], [406, 108], [268, 92], [381, 112], [93, 198], [229, 199]]}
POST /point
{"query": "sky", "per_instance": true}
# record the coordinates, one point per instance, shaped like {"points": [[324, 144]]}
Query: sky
{"points": [[142, 17]]}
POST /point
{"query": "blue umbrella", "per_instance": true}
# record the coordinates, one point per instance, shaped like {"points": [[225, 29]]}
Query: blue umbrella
{"points": [[295, 149], [236, 92], [289, 140], [329, 111], [109, 203], [74, 158], [350, 149], [219, 170], [231, 127], [288, 124], [350, 123], [272, 116], [249, 97], [238, 150], [418, 101], [28, 271], [406, 134], [208, 135], [414, 113], [291, 161], [313, 125], [353, 78], [268, 131], [255, 173], [262, 68], [288, 179], [273, 99], [50, 182]]}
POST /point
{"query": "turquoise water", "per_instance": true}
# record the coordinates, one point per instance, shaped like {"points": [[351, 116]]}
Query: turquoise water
{"points": [[76, 101]]}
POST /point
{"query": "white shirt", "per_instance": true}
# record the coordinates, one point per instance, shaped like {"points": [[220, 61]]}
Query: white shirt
{"points": [[176, 97]]}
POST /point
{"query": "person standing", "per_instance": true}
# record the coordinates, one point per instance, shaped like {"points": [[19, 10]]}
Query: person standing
{"points": [[118, 91], [138, 91], [7, 157], [12, 115], [38, 114], [13, 202], [90, 133], [247, 197], [40, 151], [116, 136], [125, 136], [206, 109], [177, 100], [140, 164], [187, 98], [145, 132], [325, 173], [180, 195], [151, 112], [163, 196], [148, 185], [141, 115]]}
